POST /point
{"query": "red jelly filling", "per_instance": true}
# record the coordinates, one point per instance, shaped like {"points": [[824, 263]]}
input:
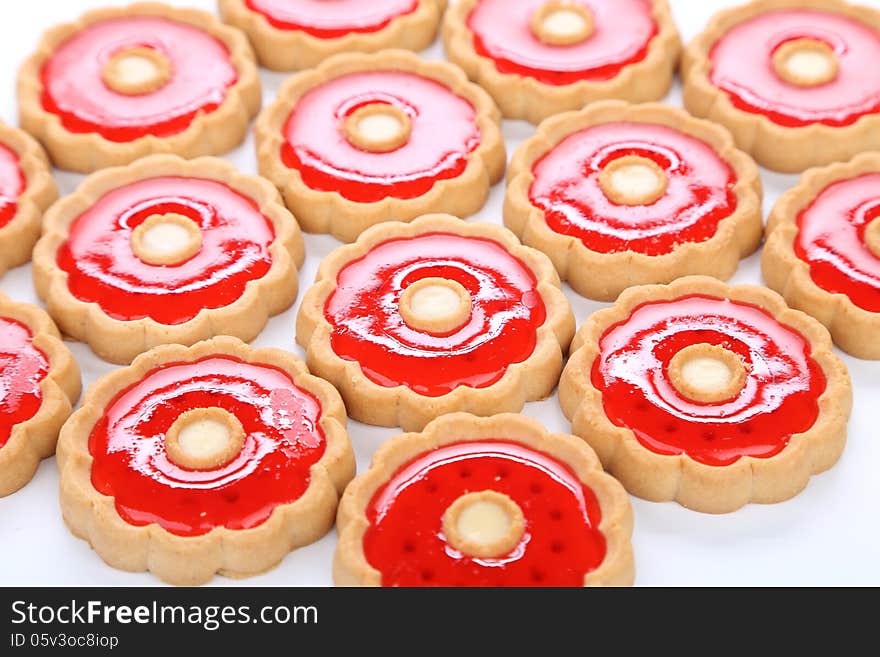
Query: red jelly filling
{"points": [[698, 197], [12, 184], [102, 268], [444, 134], [22, 369], [779, 399], [742, 65], [282, 442], [329, 20], [75, 91], [831, 240], [622, 34], [561, 544], [507, 311]]}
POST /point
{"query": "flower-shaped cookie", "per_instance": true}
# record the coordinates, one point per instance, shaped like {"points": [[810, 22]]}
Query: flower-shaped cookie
{"points": [[620, 195], [709, 395], [538, 58], [823, 251], [493, 501], [364, 139], [26, 190], [417, 320], [213, 458], [296, 34], [791, 80], [121, 83], [167, 250], [39, 383]]}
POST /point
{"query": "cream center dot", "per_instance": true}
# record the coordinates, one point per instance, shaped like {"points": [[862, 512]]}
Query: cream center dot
{"points": [[204, 439], [633, 180], [484, 525], [806, 62], [708, 374], [166, 238], [380, 126], [136, 71], [872, 237], [484, 522], [565, 23], [561, 23], [435, 301], [435, 305]]}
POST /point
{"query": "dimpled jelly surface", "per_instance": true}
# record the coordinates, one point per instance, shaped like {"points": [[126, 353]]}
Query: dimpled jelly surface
{"points": [[561, 544]]}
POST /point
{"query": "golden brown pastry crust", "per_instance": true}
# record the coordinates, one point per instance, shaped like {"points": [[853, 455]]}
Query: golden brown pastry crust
{"points": [[604, 276], [330, 212], [533, 379], [350, 566], [212, 133], [193, 560], [661, 478], [785, 149], [526, 98], [33, 440], [120, 341], [854, 329], [18, 236], [293, 50]]}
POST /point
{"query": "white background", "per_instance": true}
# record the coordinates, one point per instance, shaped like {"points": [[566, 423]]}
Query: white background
{"points": [[828, 535]]}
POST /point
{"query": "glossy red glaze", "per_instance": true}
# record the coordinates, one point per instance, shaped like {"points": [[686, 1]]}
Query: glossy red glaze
{"points": [[283, 440], [74, 89], [507, 311], [12, 184], [779, 400], [698, 197], [22, 369], [831, 240], [102, 268], [330, 20], [444, 134], [623, 30], [562, 542], [742, 66]]}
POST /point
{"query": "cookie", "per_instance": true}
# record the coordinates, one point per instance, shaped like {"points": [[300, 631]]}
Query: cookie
{"points": [[417, 320], [217, 458], [167, 250], [789, 80], [290, 35], [709, 395], [40, 382], [501, 502], [823, 251], [619, 195], [121, 83], [538, 58], [26, 190], [364, 139]]}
